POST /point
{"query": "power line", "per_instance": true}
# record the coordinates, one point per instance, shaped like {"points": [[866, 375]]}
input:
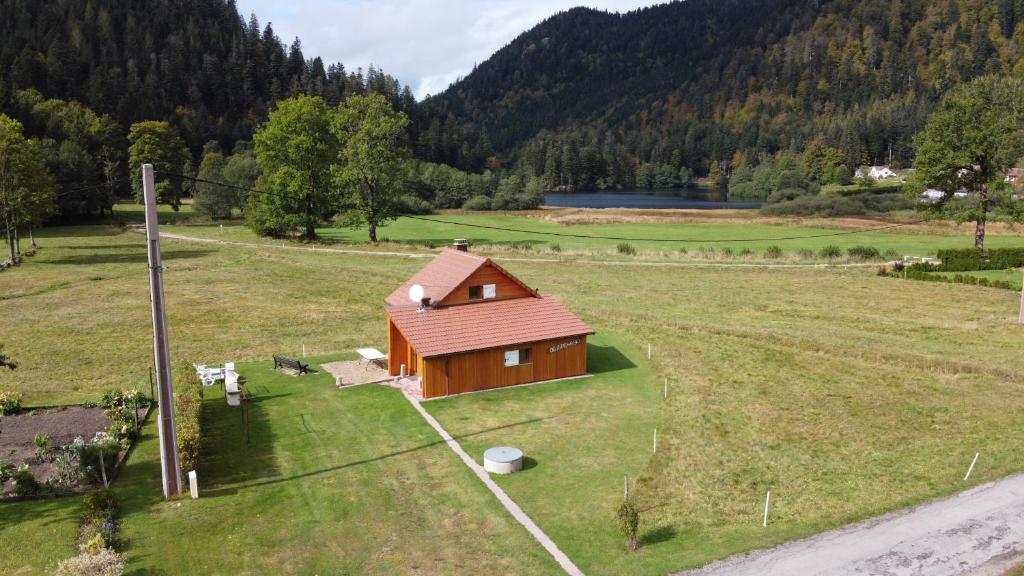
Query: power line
{"points": [[581, 236]]}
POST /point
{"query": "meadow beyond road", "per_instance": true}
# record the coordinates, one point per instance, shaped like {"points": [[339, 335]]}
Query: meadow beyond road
{"points": [[978, 532]]}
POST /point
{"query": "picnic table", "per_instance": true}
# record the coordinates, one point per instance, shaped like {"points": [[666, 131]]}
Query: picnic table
{"points": [[372, 355]]}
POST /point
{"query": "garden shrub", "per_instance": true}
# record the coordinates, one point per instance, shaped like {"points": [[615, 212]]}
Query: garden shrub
{"points": [[626, 248], [25, 484], [773, 251], [863, 252], [629, 522], [7, 471], [188, 402], [42, 444], [727, 252], [805, 253], [106, 562], [68, 471], [10, 403], [746, 252], [120, 406], [830, 251], [555, 247], [102, 504]]}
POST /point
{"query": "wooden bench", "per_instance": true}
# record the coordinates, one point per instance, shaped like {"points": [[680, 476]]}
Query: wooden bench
{"points": [[282, 362]]}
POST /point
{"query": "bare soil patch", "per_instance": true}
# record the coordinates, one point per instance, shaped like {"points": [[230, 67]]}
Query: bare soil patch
{"points": [[356, 372], [63, 424]]}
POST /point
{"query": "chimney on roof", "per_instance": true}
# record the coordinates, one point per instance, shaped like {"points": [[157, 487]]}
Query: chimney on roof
{"points": [[424, 304], [461, 244]]}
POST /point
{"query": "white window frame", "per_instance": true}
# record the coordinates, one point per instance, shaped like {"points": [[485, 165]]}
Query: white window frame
{"points": [[490, 291]]}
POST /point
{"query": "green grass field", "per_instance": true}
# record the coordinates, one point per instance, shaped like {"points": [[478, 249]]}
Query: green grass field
{"points": [[704, 235], [848, 394]]}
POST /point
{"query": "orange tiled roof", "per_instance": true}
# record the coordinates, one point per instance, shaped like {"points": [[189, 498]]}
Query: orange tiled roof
{"points": [[444, 274], [455, 329]]}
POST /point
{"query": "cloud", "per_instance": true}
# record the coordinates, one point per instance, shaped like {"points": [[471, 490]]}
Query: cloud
{"points": [[425, 44]]}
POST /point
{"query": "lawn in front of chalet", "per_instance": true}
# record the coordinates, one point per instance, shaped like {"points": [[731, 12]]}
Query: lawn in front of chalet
{"points": [[849, 394], [329, 481]]}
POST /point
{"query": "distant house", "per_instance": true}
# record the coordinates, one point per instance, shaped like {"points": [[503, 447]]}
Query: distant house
{"points": [[1013, 176], [876, 172], [931, 195], [475, 326]]}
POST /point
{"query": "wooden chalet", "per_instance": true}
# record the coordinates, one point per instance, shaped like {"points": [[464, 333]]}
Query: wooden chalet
{"points": [[475, 326]]}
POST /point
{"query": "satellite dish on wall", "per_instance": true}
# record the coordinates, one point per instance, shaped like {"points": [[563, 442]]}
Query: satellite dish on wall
{"points": [[416, 293]]}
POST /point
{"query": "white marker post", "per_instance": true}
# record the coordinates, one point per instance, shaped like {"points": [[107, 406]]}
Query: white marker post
{"points": [[971, 469], [303, 349], [648, 351], [767, 499], [655, 450], [1022, 304], [625, 487], [666, 388]]}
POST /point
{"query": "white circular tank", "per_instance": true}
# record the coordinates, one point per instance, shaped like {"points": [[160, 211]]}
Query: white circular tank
{"points": [[503, 460]]}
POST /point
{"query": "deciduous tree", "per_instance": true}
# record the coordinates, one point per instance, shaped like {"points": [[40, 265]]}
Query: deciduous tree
{"points": [[373, 161], [296, 149], [27, 189], [974, 136], [156, 143]]}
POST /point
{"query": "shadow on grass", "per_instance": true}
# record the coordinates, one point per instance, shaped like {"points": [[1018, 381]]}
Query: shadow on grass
{"points": [[118, 246], [601, 359], [45, 512], [228, 491], [140, 257], [238, 442], [658, 535], [529, 463]]}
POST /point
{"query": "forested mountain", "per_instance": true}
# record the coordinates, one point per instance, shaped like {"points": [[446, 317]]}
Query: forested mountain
{"points": [[78, 73], [194, 62], [586, 97]]}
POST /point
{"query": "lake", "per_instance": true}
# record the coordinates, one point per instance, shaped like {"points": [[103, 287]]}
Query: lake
{"points": [[694, 198]]}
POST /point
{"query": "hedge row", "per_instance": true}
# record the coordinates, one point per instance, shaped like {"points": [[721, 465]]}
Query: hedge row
{"points": [[969, 259], [917, 272], [188, 403]]}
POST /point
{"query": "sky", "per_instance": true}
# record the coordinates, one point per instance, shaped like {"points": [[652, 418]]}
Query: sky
{"points": [[427, 44]]}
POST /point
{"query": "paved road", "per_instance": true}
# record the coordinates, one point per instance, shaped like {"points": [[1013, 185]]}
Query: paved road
{"points": [[977, 532]]}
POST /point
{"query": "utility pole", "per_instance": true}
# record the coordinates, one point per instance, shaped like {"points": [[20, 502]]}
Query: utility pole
{"points": [[169, 465]]}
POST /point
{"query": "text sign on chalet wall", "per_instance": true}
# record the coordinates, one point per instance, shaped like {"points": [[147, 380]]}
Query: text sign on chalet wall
{"points": [[564, 345]]}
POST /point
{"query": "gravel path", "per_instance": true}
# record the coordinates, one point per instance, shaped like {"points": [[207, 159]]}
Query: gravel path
{"points": [[978, 532]]}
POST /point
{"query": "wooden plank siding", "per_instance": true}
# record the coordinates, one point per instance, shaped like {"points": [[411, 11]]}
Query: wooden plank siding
{"points": [[398, 350], [505, 287], [485, 369]]}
